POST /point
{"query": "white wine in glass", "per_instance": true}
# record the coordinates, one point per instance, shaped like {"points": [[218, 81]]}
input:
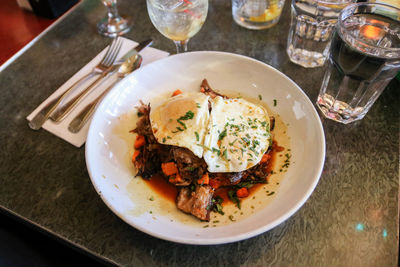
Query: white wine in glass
{"points": [[113, 25], [178, 20]]}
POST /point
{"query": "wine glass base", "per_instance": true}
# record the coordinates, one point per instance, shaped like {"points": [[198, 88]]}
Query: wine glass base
{"points": [[115, 27]]}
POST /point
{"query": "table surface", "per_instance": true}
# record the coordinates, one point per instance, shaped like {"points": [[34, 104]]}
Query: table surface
{"points": [[351, 219], [17, 28]]}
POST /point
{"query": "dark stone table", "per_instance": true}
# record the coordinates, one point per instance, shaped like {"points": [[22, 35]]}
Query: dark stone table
{"points": [[351, 219]]}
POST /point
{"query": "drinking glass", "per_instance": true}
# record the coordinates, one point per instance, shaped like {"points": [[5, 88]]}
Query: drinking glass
{"points": [[178, 20], [113, 25], [364, 58], [257, 14], [312, 24]]}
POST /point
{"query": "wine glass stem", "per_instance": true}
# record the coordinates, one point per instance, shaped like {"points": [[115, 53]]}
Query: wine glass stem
{"points": [[112, 11], [181, 46]]}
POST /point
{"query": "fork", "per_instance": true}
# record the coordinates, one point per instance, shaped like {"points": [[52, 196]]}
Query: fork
{"points": [[106, 62], [60, 113]]}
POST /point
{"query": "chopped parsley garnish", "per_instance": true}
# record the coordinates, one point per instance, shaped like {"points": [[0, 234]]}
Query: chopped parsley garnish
{"points": [[216, 150], [222, 135], [247, 141], [192, 187], [188, 116], [225, 154], [260, 97], [163, 140], [181, 123], [254, 151], [231, 144], [198, 105], [190, 169], [203, 146], [217, 202], [233, 197], [275, 102], [197, 136]]}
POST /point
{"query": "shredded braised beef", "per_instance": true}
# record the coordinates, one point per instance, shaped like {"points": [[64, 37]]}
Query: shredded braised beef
{"points": [[197, 202], [207, 90], [193, 198], [190, 166]]}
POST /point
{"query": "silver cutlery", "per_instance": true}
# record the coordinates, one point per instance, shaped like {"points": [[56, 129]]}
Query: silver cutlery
{"points": [[107, 61], [83, 117], [60, 113]]}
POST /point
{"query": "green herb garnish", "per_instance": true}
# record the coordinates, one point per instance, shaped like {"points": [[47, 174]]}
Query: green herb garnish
{"points": [[232, 196], [222, 135], [216, 150], [188, 116], [217, 202]]}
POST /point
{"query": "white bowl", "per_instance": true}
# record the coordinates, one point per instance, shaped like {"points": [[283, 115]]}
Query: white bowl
{"points": [[109, 146]]}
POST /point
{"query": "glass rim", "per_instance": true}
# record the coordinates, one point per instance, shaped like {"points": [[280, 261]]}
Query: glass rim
{"points": [[354, 6], [335, 1]]}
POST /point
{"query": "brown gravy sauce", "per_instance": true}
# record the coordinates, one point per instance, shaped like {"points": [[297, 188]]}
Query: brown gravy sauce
{"points": [[170, 192]]}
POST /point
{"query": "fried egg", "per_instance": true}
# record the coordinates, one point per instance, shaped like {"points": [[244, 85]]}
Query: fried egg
{"points": [[182, 121], [238, 135]]}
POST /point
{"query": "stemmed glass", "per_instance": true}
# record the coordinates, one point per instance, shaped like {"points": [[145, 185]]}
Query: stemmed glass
{"points": [[113, 25], [178, 20]]}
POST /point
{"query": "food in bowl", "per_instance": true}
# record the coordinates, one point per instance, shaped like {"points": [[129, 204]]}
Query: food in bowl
{"points": [[204, 142]]}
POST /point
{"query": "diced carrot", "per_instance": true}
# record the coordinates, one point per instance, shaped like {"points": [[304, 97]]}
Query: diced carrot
{"points": [[202, 89], [242, 192], [265, 158], [176, 92], [175, 179], [140, 141], [215, 183], [169, 168], [204, 179], [178, 178], [135, 155]]}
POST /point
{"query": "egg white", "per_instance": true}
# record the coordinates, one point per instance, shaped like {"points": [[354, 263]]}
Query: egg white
{"points": [[238, 135], [182, 121]]}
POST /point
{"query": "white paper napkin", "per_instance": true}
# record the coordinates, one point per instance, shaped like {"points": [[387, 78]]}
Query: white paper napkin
{"points": [[149, 55]]}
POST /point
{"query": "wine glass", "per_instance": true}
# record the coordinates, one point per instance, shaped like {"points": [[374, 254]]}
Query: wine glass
{"points": [[178, 20], [113, 25]]}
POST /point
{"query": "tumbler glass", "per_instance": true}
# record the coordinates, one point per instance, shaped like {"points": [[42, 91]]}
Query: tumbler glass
{"points": [[312, 24], [364, 58], [257, 14]]}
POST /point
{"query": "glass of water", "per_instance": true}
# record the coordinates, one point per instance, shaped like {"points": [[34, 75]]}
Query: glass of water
{"points": [[257, 14], [364, 58], [113, 25], [312, 24], [178, 20]]}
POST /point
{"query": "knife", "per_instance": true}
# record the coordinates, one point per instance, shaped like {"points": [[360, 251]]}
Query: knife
{"points": [[61, 112]]}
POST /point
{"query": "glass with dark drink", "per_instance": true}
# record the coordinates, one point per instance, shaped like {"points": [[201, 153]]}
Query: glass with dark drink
{"points": [[364, 57]]}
